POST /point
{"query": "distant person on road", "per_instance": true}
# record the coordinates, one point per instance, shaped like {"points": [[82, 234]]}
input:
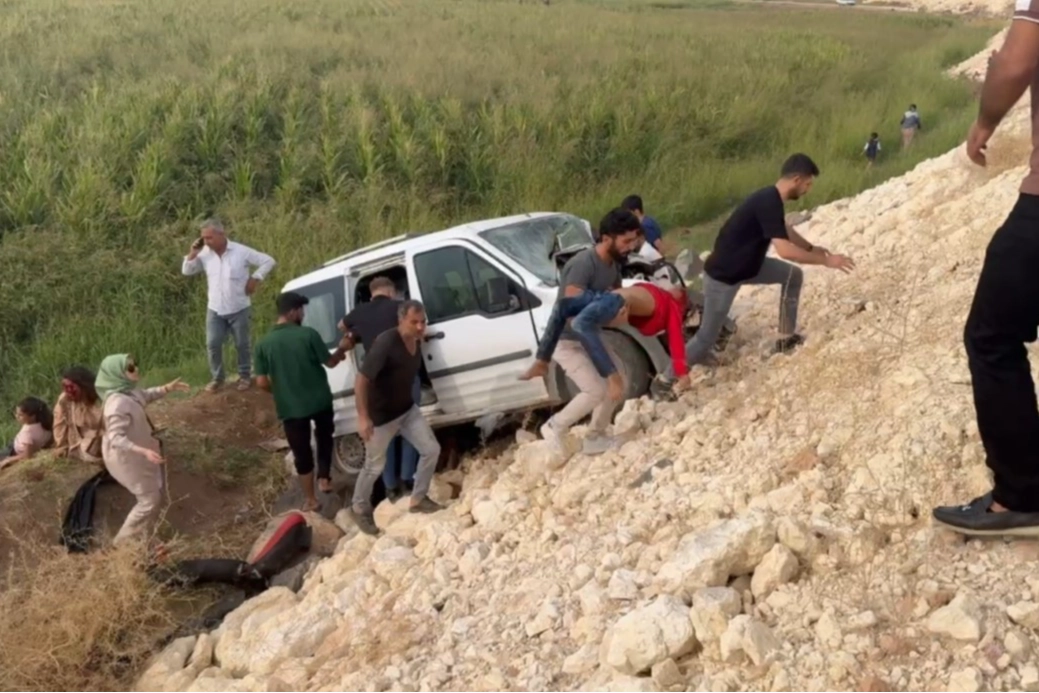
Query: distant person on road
{"points": [[290, 363], [35, 433], [1005, 310], [386, 406], [872, 149], [910, 124], [226, 265], [594, 269], [366, 322], [650, 227], [739, 258], [78, 422], [132, 453]]}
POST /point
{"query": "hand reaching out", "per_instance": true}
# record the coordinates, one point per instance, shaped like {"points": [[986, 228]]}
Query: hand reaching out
{"points": [[840, 262], [176, 386]]}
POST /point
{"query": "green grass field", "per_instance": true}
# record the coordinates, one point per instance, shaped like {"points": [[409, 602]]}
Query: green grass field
{"points": [[317, 126]]}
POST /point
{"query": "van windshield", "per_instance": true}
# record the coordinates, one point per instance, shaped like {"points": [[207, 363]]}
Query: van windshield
{"points": [[531, 242]]}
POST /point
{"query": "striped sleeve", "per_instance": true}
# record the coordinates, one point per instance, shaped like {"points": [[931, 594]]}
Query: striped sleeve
{"points": [[1027, 10]]}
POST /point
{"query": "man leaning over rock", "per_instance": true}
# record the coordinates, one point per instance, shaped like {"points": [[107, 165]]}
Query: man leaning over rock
{"points": [[739, 258]]}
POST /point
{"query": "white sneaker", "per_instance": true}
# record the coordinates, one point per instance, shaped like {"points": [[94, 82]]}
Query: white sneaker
{"points": [[553, 437], [598, 443]]}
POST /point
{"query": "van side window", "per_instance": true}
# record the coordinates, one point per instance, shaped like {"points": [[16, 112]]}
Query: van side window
{"points": [[327, 305], [455, 282]]}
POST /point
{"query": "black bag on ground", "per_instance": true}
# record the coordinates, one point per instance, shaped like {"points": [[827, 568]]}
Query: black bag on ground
{"points": [[280, 544], [201, 571], [78, 526]]}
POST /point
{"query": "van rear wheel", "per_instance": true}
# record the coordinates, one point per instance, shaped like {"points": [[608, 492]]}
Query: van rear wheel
{"points": [[348, 456]]}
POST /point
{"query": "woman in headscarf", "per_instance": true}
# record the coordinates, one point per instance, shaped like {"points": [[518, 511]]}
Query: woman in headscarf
{"points": [[78, 426], [132, 454]]}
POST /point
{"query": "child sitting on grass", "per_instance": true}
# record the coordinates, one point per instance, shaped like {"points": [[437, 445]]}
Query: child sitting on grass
{"points": [[35, 433], [648, 307]]}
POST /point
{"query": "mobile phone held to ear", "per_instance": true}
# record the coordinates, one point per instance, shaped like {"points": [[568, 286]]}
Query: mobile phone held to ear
{"points": [[197, 245]]}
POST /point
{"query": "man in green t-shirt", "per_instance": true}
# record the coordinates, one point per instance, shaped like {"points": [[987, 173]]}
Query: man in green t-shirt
{"points": [[290, 363]]}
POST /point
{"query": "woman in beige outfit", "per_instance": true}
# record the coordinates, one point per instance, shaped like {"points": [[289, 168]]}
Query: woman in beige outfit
{"points": [[78, 425], [132, 454]]}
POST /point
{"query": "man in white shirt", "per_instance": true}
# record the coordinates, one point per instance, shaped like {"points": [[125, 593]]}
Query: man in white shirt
{"points": [[226, 265]]}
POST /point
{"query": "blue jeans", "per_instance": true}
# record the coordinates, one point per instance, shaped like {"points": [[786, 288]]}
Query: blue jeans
{"points": [[402, 454], [217, 329], [590, 310]]}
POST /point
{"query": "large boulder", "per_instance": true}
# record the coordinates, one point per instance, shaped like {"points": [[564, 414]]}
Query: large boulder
{"points": [[274, 630], [707, 559], [649, 635]]}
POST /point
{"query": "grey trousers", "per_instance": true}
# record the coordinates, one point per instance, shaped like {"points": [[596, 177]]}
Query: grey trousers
{"points": [[217, 329], [719, 297], [414, 428]]}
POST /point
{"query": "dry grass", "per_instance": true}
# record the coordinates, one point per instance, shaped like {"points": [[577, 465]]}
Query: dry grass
{"points": [[79, 622], [89, 622]]}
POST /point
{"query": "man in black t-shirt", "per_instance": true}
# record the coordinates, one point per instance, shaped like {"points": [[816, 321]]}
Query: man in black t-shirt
{"points": [[739, 257], [385, 406], [366, 322]]}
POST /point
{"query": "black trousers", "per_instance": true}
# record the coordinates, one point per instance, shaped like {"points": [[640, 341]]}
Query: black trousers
{"points": [[1003, 318], [297, 432]]}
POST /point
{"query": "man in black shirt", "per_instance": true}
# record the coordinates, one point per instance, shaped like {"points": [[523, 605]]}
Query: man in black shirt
{"points": [[367, 321], [385, 406], [739, 258]]}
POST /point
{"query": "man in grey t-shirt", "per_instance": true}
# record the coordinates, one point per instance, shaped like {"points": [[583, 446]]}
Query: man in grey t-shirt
{"points": [[595, 269]]}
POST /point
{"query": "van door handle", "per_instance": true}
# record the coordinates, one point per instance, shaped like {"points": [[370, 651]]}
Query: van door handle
{"points": [[435, 335]]}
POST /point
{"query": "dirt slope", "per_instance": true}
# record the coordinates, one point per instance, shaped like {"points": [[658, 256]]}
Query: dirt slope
{"points": [[219, 480]]}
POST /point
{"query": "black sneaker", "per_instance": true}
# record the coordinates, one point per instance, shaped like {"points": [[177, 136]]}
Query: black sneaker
{"points": [[975, 519], [365, 522], [662, 390], [788, 344], [394, 494], [426, 506], [724, 337]]}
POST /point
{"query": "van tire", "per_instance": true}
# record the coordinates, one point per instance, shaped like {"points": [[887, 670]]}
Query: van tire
{"points": [[632, 361], [348, 455]]}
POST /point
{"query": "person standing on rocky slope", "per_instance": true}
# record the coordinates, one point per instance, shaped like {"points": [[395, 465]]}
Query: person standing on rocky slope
{"points": [[366, 322], [226, 265], [594, 269], [386, 407], [1005, 310], [290, 364], [739, 259]]}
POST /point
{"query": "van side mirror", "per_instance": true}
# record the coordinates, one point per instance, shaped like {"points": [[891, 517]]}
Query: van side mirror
{"points": [[499, 300]]}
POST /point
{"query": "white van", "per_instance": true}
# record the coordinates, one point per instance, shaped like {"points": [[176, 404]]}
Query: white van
{"points": [[488, 288]]}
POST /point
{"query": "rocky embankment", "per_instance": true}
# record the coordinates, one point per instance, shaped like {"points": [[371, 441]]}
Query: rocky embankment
{"points": [[769, 532]]}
